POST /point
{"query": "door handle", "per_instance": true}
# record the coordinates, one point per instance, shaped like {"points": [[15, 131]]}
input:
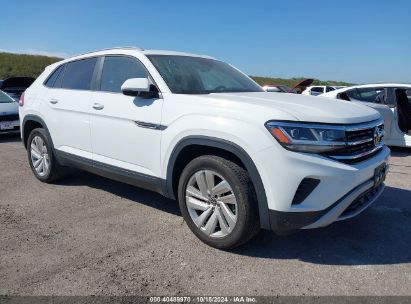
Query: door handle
{"points": [[53, 101], [98, 106]]}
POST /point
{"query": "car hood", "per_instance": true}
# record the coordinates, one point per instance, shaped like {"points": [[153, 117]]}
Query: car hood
{"points": [[301, 107]]}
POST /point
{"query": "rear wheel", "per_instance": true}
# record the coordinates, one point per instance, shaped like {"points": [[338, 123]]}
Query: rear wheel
{"points": [[218, 202], [41, 158]]}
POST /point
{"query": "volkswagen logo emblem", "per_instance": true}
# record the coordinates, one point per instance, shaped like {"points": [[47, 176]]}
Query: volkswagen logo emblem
{"points": [[378, 135]]}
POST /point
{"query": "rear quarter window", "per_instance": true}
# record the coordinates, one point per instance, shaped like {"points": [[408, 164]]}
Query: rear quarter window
{"points": [[51, 81]]}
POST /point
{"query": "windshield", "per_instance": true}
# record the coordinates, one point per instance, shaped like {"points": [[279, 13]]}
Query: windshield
{"points": [[195, 75], [4, 98]]}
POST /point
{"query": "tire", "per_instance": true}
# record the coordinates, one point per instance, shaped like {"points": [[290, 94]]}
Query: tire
{"points": [[53, 171], [236, 193]]}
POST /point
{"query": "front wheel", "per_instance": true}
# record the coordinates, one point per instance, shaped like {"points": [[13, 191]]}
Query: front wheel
{"points": [[218, 202]]}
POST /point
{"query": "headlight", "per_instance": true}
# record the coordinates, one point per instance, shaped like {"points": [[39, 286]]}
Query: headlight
{"points": [[307, 137]]}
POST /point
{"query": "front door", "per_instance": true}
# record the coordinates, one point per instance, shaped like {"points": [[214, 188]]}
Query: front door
{"points": [[124, 129]]}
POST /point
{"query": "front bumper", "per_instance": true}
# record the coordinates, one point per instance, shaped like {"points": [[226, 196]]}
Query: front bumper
{"points": [[350, 205], [334, 199]]}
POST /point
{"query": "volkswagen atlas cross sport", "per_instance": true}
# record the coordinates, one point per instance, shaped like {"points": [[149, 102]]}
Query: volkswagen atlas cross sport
{"points": [[198, 130]]}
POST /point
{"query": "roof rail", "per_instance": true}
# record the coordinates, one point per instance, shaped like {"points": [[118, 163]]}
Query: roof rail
{"points": [[113, 48]]}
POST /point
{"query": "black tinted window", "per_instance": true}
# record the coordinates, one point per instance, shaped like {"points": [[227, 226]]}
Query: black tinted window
{"points": [[59, 79], [52, 79], [371, 94], [118, 69], [329, 89], [79, 74], [317, 89], [353, 94]]}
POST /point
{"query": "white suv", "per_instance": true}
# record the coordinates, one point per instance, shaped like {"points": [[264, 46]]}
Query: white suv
{"points": [[198, 130], [317, 90]]}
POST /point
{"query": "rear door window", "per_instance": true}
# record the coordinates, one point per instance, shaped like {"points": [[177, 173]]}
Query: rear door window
{"points": [[117, 69], [79, 74]]}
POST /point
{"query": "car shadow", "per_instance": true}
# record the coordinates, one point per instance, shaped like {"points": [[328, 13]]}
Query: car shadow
{"points": [[400, 151], [132, 193], [380, 235], [7, 138]]}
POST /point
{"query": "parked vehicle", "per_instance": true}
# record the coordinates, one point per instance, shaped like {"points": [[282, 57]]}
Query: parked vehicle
{"points": [[301, 86], [15, 86], [278, 88], [392, 100], [9, 114], [317, 90], [194, 128], [296, 89]]}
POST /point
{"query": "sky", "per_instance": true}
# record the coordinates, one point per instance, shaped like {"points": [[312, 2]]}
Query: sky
{"points": [[356, 41]]}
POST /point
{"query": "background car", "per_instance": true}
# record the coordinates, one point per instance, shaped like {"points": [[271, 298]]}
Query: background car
{"points": [[15, 86], [392, 100], [9, 114], [277, 88], [318, 90], [296, 89]]}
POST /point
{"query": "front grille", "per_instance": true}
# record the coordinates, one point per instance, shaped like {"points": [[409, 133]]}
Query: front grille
{"points": [[362, 142], [361, 201], [9, 117]]}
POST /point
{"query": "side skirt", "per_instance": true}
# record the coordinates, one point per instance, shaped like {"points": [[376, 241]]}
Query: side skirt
{"points": [[112, 172]]}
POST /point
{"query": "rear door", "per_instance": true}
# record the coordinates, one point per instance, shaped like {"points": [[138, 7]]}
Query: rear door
{"points": [[125, 130], [67, 106]]}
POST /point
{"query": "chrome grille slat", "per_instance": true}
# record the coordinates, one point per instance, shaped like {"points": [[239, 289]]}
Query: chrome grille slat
{"points": [[361, 142], [356, 156]]}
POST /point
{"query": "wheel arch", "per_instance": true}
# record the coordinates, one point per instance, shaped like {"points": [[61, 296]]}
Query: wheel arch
{"points": [[31, 122], [227, 148]]}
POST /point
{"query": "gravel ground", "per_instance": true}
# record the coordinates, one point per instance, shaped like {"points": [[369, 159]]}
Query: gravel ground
{"points": [[89, 235]]}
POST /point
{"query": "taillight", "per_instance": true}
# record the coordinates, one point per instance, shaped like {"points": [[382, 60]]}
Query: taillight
{"points": [[21, 100]]}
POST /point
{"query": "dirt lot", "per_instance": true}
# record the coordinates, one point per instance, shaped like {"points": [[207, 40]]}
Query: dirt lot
{"points": [[89, 235]]}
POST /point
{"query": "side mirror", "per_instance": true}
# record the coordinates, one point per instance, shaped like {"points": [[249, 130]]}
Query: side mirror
{"points": [[140, 87], [134, 86]]}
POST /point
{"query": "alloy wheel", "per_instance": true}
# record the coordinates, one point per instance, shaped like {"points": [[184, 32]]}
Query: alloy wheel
{"points": [[211, 203], [39, 156]]}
